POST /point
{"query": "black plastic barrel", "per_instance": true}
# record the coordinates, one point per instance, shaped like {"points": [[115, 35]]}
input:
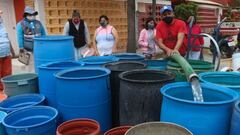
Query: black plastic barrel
{"points": [[140, 100], [117, 68]]}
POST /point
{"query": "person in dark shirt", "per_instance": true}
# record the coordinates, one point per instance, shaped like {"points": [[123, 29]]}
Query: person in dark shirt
{"points": [[77, 28]]}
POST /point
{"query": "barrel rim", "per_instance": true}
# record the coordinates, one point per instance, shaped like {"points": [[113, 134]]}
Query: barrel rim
{"points": [[140, 56], [40, 96], [59, 74], [79, 120], [170, 74], [59, 59], [117, 128], [46, 66], [52, 37], [85, 60], [237, 106], [234, 95], [204, 74], [30, 108], [34, 76], [4, 114], [123, 62], [204, 65], [156, 60], [161, 122]]}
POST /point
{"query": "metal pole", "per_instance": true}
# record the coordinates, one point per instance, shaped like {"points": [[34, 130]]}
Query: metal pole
{"points": [[154, 9], [131, 45], [218, 53]]}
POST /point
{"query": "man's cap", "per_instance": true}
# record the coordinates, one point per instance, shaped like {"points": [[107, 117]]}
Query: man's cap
{"points": [[29, 10], [165, 8]]}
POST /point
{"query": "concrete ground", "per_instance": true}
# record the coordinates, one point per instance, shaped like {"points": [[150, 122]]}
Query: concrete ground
{"points": [[18, 67]]}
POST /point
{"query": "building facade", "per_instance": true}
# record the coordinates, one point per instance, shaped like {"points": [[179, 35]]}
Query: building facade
{"points": [[54, 14]]}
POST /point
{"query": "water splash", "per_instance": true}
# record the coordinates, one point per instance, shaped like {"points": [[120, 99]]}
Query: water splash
{"points": [[196, 90]]}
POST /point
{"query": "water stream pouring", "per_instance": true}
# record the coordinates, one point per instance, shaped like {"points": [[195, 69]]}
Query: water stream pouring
{"points": [[196, 89], [192, 77]]}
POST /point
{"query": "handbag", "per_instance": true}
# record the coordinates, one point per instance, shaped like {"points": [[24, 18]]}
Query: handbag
{"points": [[24, 57]]}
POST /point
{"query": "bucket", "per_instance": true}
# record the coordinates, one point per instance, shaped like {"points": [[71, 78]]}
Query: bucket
{"points": [[52, 49], [85, 93], [140, 99], [118, 130], [79, 127], [21, 101], [36, 120], [226, 79], [2, 116], [235, 124], [20, 84], [129, 57], [117, 68], [211, 117], [47, 81], [158, 128], [156, 64], [236, 62], [197, 65], [97, 61]]}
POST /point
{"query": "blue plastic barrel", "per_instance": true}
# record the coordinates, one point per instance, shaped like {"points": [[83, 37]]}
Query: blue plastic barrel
{"points": [[130, 57], [226, 79], [235, 124], [97, 61], [156, 64], [36, 120], [211, 117], [85, 93], [52, 48], [47, 81], [2, 116], [21, 101]]}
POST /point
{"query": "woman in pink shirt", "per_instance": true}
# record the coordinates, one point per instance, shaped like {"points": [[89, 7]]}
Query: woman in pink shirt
{"points": [[105, 38], [146, 41]]}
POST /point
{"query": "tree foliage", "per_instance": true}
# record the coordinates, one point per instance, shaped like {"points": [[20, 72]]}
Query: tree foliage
{"points": [[184, 10]]}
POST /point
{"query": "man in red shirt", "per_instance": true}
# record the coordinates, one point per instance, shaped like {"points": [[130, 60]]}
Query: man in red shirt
{"points": [[170, 32]]}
